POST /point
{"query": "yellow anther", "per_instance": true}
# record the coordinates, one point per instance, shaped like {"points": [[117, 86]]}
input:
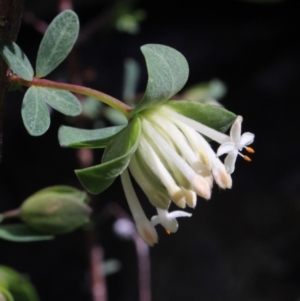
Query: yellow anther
{"points": [[250, 150], [247, 159]]}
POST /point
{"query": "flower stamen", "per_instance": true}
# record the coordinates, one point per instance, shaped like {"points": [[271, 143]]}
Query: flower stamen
{"points": [[246, 158], [249, 150]]}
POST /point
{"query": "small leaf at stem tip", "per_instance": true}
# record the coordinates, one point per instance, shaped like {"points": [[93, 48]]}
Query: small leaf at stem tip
{"points": [[81, 138], [57, 42], [115, 159], [35, 113], [63, 101], [16, 59], [167, 74], [21, 233]]}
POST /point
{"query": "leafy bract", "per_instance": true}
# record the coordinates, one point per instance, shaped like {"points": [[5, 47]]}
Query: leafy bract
{"points": [[167, 73], [213, 116], [21, 233], [62, 101], [35, 113], [81, 138], [16, 59], [115, 159], [57, 42]]}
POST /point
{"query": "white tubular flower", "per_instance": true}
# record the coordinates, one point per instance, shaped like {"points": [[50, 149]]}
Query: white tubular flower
{"points": [[144, 226], [163, 145], [236, 143], [168, 220]]}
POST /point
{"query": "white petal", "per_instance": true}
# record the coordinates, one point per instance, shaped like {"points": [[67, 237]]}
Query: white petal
{"points": [[164, 219], [179, 213], [235, 131], [225, 148], [246, 139], [155, 220], [230, 162]]}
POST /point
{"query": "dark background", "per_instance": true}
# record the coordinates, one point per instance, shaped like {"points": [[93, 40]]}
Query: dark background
{"points": [[244, 244]]}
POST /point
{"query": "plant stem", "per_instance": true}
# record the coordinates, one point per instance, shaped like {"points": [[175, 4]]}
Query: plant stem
{"points": [[107, 99]]}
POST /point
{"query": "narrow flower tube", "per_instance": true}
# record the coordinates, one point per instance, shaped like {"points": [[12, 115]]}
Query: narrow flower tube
{"points": [[158, 168], [197, 182], [155, 192], [199, 127], [144, 226]]}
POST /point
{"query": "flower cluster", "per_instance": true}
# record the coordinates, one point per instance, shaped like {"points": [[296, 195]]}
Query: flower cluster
{"points": [[175, 163]]}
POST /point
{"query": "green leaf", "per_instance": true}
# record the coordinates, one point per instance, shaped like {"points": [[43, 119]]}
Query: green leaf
{"points": [[62, 101], [57, 42], [21, 233], [115, 159], [114, 116], [212, 116], [18, 285], [1, 218], [16, 59], [168, 72], [35, 113], [81, 138]]}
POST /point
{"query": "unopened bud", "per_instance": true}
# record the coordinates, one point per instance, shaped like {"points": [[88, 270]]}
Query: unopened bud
{"points": [[56, 210]]}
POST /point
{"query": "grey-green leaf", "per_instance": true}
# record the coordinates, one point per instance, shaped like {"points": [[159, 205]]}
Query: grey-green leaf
{"points": [[213, 116], [81, 138], [62, 101], [167, 73], [21, 233], [16, 59], [35, 113], [57, 42], [115, 159]]}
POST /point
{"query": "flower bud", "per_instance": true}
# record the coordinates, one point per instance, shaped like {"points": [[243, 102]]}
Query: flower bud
{"points": [[56, 210]]}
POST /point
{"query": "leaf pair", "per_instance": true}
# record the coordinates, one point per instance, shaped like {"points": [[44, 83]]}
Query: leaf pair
{"points": [[56, 44]]}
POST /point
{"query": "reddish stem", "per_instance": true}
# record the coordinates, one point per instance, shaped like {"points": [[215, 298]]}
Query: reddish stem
{"points": [[109, 100]]}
